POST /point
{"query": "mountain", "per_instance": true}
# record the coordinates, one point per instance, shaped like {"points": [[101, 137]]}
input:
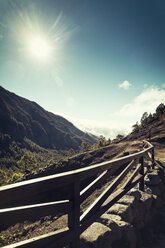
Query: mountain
{"points": [[22, 120]]}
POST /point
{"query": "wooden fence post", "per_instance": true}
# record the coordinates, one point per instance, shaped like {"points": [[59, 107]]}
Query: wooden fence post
{"points": [[74, 216], [153, 159], [141, 184]]}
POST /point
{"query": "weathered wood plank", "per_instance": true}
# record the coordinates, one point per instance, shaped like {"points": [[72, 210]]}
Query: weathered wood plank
{"points": [[92, 186], [74, 215], [141, 184], [52, 240], [134, 174], [149, 155], [139, 176], [109, 202], [33, 194], [10, 216], [162, 167], [21, 191], [97, 203], [153, 159]]}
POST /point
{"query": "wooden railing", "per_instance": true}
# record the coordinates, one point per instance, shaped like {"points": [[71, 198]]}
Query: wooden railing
{"points": [[24, 201]]}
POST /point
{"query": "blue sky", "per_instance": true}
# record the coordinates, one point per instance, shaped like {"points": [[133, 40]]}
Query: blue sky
{"points": [[106, 63]]}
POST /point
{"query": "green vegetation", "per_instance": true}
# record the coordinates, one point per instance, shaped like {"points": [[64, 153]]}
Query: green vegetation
{"points": [[32, 138], [118, 138], [85, 146], [101, 143], [71, 152], [149, 118], [18, 160]]}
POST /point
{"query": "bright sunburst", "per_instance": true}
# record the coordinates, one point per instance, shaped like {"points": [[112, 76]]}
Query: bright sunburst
{"points": [[39, 47], [36, 37]]}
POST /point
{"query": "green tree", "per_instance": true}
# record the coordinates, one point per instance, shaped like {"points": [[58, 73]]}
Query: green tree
{"points": [[94, 147], [160, 109], [135, 127], [150, 118], [102, 141], [119, 137], [27, 162], [85, 146], [71, 152], [3, 177], [144, 119], [17, 177], [109, 141]]}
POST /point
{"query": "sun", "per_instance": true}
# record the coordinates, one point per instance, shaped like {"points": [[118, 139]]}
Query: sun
{"points": [[39, 47]]}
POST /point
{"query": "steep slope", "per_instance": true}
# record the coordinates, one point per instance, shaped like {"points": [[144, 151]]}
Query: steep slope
{"points": [[21, 118], [153, 129]]}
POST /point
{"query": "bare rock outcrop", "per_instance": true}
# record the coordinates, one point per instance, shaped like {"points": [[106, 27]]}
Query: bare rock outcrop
{"points": [[97, 236]]}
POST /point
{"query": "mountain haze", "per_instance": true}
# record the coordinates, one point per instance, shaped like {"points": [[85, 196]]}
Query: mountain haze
{"points": [[21, 118]]}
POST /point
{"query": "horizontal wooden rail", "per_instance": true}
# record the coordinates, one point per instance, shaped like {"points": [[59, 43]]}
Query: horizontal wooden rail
{"points": [[134, 174], [109, 202], [97, 203], [93, 185], [10, 216], [18, 191]]}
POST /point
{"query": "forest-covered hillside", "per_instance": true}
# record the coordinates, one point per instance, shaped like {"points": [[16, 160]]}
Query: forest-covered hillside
{"points": [[32, 138]]}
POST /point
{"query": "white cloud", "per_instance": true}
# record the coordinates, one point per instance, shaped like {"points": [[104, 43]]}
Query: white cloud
{"points": [[147, 101], [125, 85], [70, 101], [121, 121], [107, 128]]}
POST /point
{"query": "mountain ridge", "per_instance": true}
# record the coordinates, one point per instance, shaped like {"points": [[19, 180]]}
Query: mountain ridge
{"points": [[20, 118]]}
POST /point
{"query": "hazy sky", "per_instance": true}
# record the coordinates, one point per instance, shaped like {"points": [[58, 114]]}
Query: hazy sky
{"points": [[99, 63]]}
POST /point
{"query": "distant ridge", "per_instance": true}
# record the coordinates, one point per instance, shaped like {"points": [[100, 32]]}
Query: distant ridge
{"points": [[21, 118]]}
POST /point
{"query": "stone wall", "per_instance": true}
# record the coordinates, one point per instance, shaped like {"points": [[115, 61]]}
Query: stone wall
{"points": [[123, 224]]}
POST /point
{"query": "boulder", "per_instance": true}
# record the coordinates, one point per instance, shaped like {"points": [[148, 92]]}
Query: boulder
{"points": [[152, 180], [123, 210], [126, 235], [146, 200], [135, 192], [127, 200], [112, 221], [96, 236]]}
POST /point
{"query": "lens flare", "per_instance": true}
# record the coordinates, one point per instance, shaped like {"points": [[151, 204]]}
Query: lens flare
{"points": [[35, 36]]}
